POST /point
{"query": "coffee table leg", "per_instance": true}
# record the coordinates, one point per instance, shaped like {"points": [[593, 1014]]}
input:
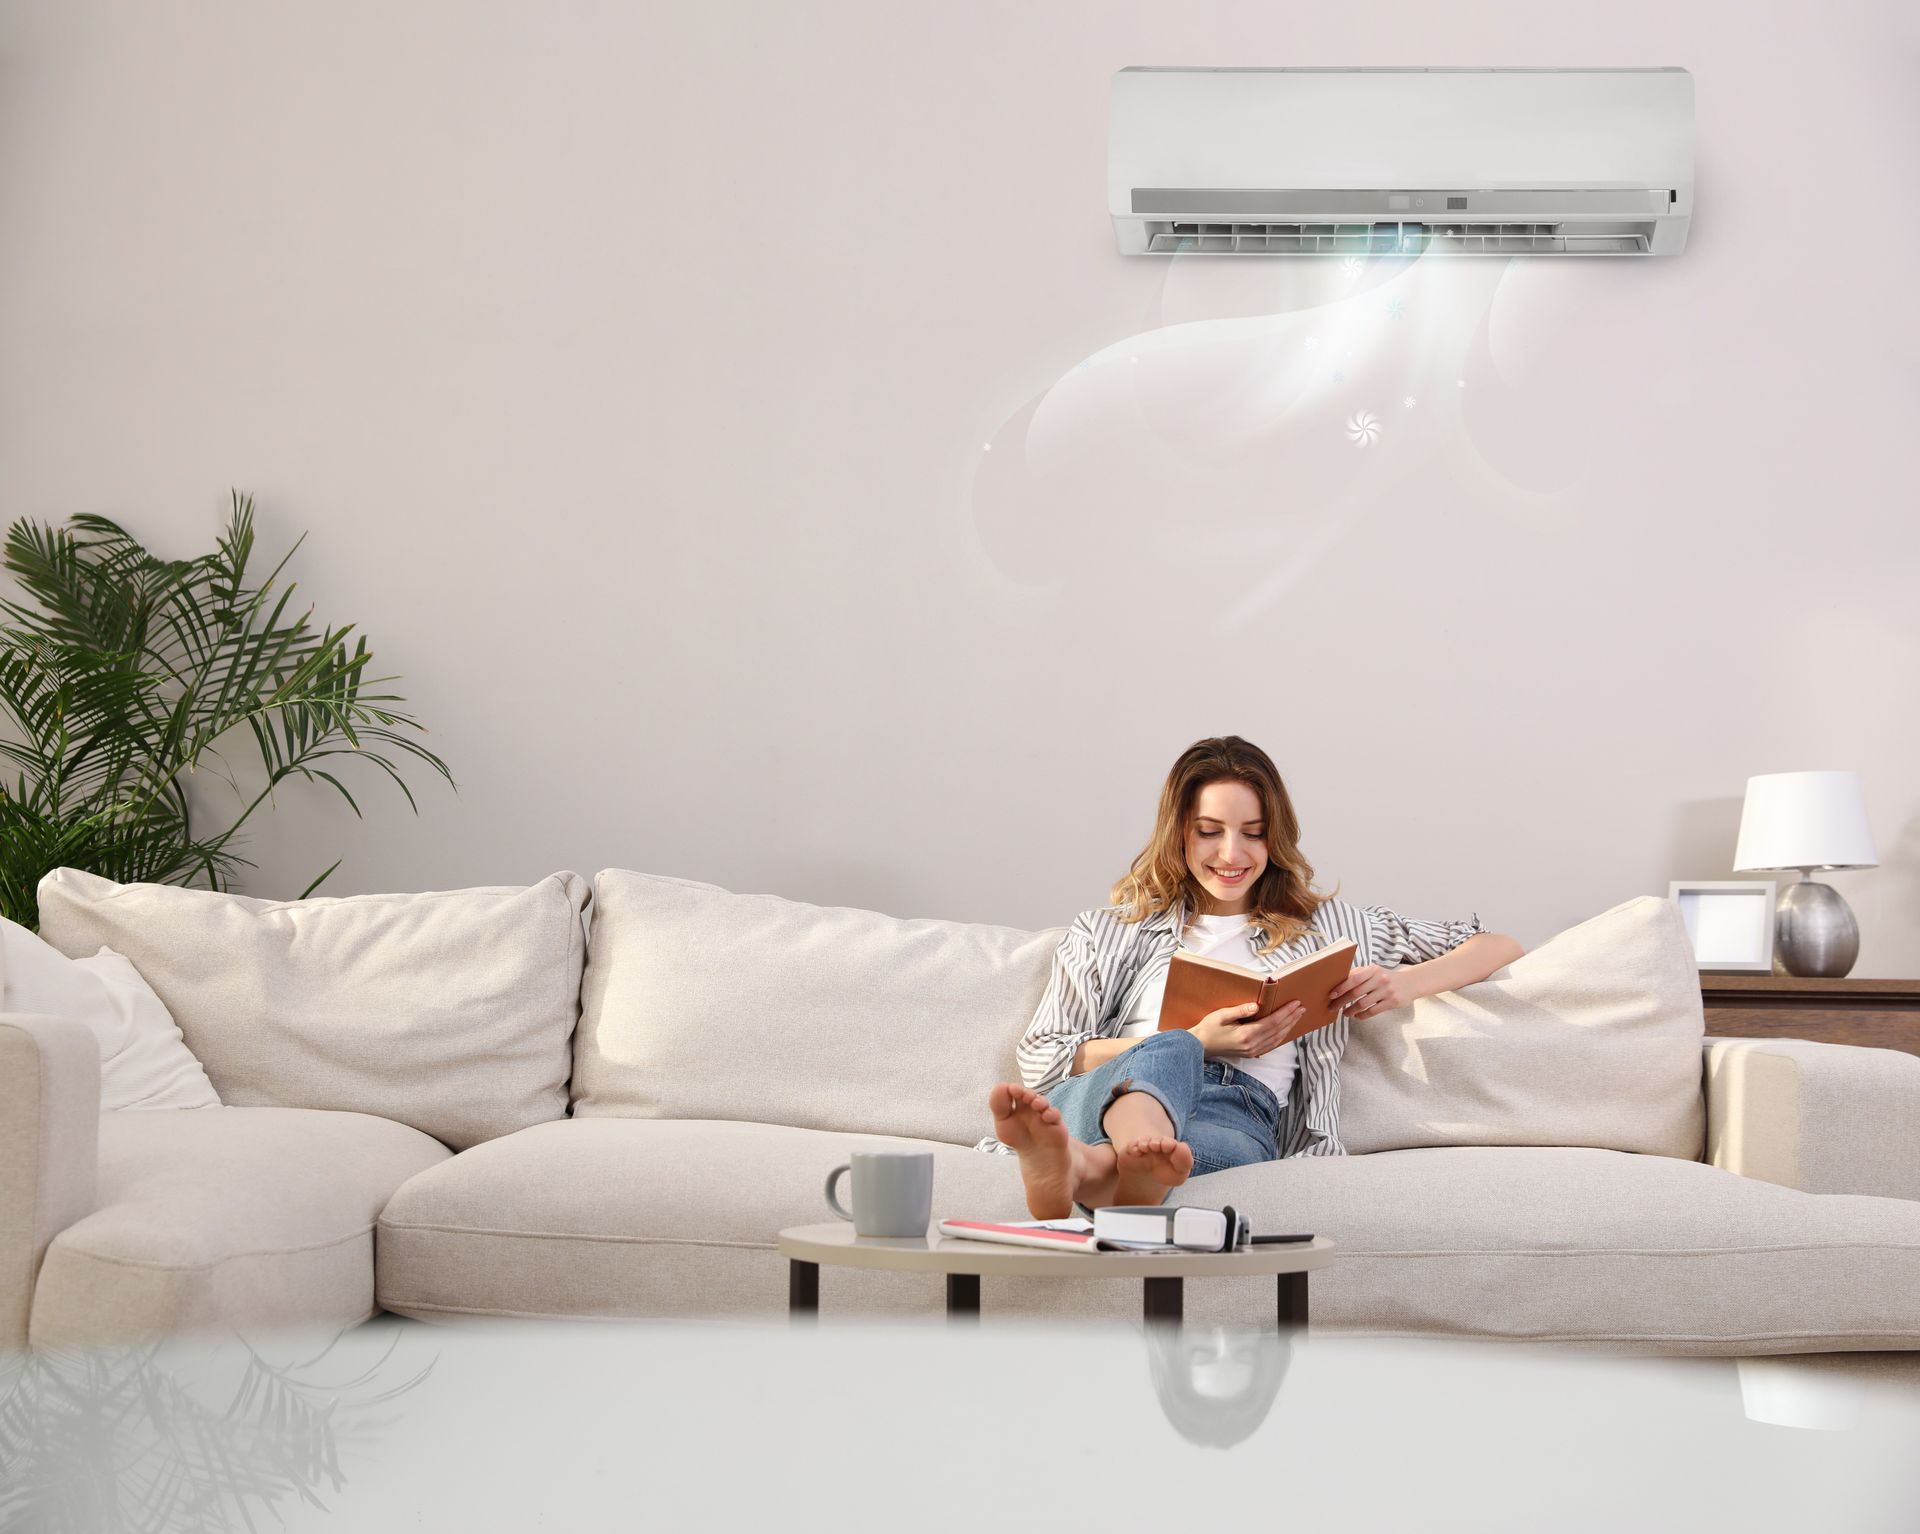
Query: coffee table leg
{"points": [[1163, 1303], [963, 1296], [803, 1289], [1293, 1301]]}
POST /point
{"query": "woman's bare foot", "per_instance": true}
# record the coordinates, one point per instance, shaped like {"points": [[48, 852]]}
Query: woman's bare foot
{"points": [[1025, 1120], [1149, 1166]]}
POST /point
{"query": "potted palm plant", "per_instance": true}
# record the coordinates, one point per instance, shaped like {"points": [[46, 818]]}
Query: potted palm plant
{"points": [[122, 672]]}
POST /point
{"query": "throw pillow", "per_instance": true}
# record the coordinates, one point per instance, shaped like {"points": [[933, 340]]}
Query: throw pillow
{"points": [[698, 1003], [451, 1010], [144, 1063], [1592, 1039]]}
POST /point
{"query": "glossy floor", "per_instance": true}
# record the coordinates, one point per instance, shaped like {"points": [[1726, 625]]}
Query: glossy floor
{"points": [[850, 1425]]}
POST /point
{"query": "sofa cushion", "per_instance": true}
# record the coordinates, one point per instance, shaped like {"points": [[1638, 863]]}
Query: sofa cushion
{"points": [[702, 1004], [452, 1011], [612, 1217], [1595, 1247], [1592, 1039], [144, 1063], [645, 1217], [226, 1217]]}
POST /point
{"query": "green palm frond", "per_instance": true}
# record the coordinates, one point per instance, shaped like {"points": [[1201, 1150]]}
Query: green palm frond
{"points": [[124, 671]]}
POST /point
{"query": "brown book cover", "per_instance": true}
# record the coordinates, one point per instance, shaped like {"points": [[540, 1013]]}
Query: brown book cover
{"points": [[1197, 985]]}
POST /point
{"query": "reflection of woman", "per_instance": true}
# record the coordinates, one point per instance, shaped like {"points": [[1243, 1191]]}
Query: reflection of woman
{"points": [[1114, 1112], [1216, 1386]]}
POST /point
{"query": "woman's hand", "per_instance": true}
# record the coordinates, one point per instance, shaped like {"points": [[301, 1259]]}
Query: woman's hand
{"points": [[1371, 989], [1234, 1033]]}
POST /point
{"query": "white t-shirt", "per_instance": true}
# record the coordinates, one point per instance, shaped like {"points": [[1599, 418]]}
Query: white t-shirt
{"points": [[1216, 937]]}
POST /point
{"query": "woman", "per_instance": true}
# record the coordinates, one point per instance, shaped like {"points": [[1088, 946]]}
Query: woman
{"points": [[1113, 1111]]}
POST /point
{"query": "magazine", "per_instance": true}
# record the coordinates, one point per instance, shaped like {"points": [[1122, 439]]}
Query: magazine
{"points": [[1074, 1235]]}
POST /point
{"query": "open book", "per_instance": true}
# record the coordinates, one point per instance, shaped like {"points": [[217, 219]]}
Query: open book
{"points": [[1197, 985], [1073, 1235]]}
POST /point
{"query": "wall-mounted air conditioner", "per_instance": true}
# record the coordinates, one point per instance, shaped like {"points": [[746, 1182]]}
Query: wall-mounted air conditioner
{"points": [[1564, 162]]}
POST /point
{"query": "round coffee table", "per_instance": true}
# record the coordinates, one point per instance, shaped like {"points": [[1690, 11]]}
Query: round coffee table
{"points": [[965, 1262]]}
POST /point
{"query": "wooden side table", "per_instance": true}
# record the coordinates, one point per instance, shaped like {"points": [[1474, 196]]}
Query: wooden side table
{"points": [[964, 1262], [1881, 1013]]}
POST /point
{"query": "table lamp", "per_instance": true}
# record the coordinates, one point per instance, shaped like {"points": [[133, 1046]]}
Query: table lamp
{"points": [[1808, 821]]}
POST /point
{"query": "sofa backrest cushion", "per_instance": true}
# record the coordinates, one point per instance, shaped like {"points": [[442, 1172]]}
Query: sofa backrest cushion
{"points": [[703, 1004], [1591, 1039], [452, 1011]]}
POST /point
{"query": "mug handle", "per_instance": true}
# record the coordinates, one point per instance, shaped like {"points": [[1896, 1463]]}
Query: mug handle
{"points": [[833, 1177]]}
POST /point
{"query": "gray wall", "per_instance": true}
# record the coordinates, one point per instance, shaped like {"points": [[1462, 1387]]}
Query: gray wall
{"points": [[726, 419]]}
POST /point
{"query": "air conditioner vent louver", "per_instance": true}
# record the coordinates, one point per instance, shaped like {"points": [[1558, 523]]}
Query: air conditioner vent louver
{"points": [[1349, 162], [1174, 237]]}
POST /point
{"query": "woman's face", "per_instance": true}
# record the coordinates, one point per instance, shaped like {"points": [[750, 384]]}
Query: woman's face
{"points": [[1227, 836]]}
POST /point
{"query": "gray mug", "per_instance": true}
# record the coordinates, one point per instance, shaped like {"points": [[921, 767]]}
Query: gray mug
{"points": [[892, 1192]]}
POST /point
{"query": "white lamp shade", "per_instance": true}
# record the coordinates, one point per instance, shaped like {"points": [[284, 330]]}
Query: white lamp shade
{"points": [[1804, 820]]}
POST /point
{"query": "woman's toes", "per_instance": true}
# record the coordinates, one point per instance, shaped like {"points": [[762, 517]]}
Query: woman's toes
{"points": [[1150, 1165]]}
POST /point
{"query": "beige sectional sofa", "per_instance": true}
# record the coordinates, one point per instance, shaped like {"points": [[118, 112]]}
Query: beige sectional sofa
{"points": [[603, 1102]]}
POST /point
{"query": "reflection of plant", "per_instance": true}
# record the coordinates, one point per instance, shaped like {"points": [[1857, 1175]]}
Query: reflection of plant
{"points": [[95, 1438], [124, 673]]}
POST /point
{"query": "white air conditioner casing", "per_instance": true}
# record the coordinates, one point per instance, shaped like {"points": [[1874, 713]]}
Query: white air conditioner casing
{"points": [[1401, 161]]}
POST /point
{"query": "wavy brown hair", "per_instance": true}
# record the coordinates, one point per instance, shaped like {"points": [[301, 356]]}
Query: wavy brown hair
{"points": [[1283, 899]]}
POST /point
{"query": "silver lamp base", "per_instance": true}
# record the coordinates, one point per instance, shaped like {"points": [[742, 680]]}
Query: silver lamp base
{"points": [[1814, 931]]}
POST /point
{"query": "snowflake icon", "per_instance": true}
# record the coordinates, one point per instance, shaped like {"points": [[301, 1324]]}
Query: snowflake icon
{"points": [[1339, 376], [1408, 402], [1396, 307], [1352, 266], [1364, 429]]}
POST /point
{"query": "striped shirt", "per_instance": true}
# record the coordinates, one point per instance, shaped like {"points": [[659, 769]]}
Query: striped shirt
{"points": [[1104, 962]]}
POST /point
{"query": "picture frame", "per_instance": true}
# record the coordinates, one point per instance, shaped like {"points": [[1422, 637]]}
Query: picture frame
{"points": [[1729, 921]]}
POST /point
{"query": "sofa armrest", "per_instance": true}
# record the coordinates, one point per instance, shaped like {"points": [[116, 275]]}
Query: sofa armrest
{"points": [[49, 1149], [1824, 1118]]}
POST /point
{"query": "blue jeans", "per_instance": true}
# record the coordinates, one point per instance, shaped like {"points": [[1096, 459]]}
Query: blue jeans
{"points": [[1227, 1117]]}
